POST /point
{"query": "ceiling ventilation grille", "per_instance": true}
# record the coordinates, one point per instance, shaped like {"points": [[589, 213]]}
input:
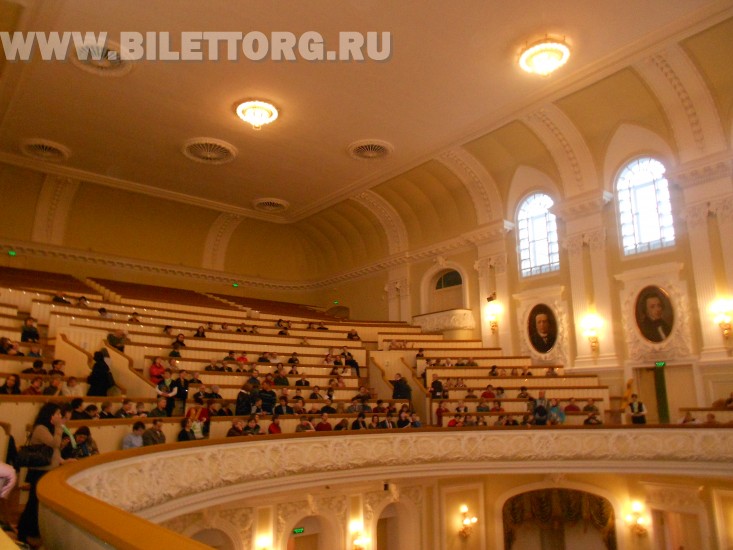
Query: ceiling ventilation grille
{"points": [[44, 149], [270, 205], [209, 150], [101, 60], [370, 149]]}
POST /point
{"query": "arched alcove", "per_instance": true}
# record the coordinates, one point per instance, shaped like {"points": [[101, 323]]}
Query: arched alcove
{"points": [[216, 538], [311, 532], [439, 299], [396, 527], [557, 517]]}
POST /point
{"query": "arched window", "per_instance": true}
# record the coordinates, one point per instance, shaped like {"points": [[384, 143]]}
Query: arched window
{"points": [[447, 279], [537, 234], [645, 212]]}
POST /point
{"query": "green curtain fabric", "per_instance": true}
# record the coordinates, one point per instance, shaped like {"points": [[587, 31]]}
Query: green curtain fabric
{"points": [[555, 508]]}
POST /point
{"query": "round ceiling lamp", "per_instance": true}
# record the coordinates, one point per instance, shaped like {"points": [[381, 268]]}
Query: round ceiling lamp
{"points": [[257, 113], [544, 57]]}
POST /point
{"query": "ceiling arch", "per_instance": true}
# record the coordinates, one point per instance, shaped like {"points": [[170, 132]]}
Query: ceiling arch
{"points": [[686, 100], [567, 147]]}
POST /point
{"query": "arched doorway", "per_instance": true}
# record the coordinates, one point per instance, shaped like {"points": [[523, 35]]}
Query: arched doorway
{"points": [[396, 529], [547, 519], [215, 538], [312, 533]]}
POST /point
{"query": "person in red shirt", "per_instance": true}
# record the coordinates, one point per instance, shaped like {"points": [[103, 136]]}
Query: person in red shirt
{"points": [[324, 425], [571, 406]]}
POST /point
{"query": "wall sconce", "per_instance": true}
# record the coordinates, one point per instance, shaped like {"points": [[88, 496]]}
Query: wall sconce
{"points": [[467, 522], [591, 325], [491, 297], [359, 540], [264, 542], [723, 311], [493, 312], [636, 520]]}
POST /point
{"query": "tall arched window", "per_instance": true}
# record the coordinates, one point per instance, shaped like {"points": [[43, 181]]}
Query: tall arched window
{"points": [[538, 248], [645, 212]]}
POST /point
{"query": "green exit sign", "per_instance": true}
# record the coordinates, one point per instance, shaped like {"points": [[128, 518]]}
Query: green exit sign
{"points": [[660, 364], [298, 530]]}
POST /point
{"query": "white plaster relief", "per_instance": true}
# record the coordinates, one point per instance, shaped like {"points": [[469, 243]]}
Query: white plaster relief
{"points": [[452, 319], [217, 241], [136, 484], [52, 209], [567, 147], [391, 222], [686, 100], [665, 496], [479, 183]]}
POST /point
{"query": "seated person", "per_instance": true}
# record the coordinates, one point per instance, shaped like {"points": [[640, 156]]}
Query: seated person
{"points": [[592, 419], [213, 393], [154, 435], [159, 410], [11, 385], [105, 411], [103, 313], [127, 410], [156, 370], [551, 372], [572, 406], [175, 350], [252, 427], [29, 332], [316, 393], [283, 407], [35, 351], [591, 406], [54, 386], [180, 340], [483, 406], [60, 298], [186, 433], [328, 407], [324, 425], [118, 339], [37, 368], [72, 388], [57, 367], [82, 301], [77, 409], [134, 439], [35, 388], [85, 445], [470, 394], [352, 335], [200, 332], [321, 326], [134, 318], [305, 425]]}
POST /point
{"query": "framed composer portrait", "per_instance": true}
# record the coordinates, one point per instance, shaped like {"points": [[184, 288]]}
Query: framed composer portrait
{"points": [[654, 314], [542, 328]]}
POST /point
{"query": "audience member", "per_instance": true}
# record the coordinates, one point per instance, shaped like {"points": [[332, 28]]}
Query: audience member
{"points": [[29, 332], [637, 410], [324, 425], [134, 439], [154, 435], [118, 339], [186, 433], [36, 368], [11, 385], [35, 387], [100, 380], [72, 388]]}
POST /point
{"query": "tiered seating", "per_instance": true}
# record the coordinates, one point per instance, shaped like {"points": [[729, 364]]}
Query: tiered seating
{"points": [[282, 309], [30, 279], [561, 387]]}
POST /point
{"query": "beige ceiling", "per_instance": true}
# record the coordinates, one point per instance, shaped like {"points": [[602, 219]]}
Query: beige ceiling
{"points": [[451, 81]]}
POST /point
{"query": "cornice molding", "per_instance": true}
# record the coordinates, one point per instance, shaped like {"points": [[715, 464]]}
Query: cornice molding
{"points": [[587, 204], [467, 241]]}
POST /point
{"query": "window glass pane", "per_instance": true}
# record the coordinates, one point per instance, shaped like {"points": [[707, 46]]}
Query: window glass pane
{"points": [[537, 236], [644, 207]]}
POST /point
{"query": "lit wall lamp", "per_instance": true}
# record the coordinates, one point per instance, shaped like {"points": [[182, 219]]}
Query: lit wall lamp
{"points": [[493, 312], [591, 325], [264, 542], [636, 520], [359, 540], [467, 522], [722, 313]]}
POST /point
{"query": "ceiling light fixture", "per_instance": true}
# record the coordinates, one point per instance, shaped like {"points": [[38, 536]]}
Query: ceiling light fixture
{"points": [[257, 113], [544, 57]]}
